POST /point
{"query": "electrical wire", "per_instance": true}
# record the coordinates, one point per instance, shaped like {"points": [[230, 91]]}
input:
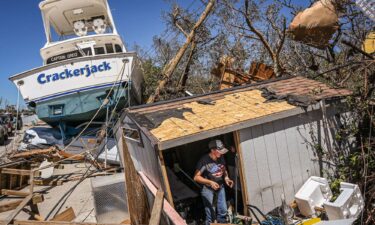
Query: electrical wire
{"points": [[67, 194], [88, 124]]}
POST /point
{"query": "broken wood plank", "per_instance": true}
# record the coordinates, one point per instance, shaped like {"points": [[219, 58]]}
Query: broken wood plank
{"points": [[16, 171], [6, 206], [67, 215], [78, 157], [169, 211], [33, 152], [23, 203], [137, 198], [48, 182], [157, 208], [165, 178], [14, 193]]}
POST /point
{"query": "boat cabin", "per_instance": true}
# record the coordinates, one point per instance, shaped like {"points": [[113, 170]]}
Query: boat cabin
{"points": [[77, 29], [271, 128]]}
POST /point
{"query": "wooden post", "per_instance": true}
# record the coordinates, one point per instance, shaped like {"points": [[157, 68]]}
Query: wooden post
{"points": [[14, 193], [245, 197], [165, 178], [171, 66], [157, 208], [136, 195]]}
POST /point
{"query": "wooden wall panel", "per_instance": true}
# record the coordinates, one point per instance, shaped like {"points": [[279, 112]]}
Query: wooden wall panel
{"points": [[265, 181], [251, 171], [273, 163], [293, 150], [284, 162], [279, 157]]}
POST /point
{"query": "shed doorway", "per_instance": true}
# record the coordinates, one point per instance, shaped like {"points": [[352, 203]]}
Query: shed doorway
{"points": [[180, 163]]}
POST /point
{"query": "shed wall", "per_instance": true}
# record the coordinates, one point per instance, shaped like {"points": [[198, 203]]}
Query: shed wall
{"points": [[279, 156], [145, 158]]}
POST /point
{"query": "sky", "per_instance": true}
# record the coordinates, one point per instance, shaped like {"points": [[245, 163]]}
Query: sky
{"points": [[22, 33]]}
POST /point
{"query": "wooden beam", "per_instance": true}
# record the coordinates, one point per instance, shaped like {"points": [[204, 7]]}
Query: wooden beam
{"points": [[136, 195], [245, 196], [170, 212], [157, 208], [15, 171], [67, 215], [165, 178], [33, 152], [48, 182], [78, 157], [23, 203], [14, 193], [6, 206]]}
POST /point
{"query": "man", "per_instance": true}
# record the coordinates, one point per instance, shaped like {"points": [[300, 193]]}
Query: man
{"points": [[211, 172]]}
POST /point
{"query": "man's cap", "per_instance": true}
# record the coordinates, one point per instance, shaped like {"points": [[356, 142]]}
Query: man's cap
{"points": [[218, 144]]}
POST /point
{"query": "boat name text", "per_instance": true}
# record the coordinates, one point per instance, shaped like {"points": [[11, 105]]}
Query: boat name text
{"points": [[66, 74]]}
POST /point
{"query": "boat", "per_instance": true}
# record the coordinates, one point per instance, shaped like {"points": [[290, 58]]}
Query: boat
{"points": [[85, 66]]}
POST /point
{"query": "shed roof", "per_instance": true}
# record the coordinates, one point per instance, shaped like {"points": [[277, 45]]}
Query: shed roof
{"points": [[228, 109]]}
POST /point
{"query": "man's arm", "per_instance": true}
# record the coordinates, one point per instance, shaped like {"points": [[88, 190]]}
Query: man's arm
{"points": [[227, 180], [199, 179]]}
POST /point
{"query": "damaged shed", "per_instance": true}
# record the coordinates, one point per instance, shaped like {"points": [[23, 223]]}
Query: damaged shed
{"points": [[272, 129]]}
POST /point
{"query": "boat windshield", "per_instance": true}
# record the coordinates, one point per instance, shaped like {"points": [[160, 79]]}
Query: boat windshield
{"points": [[107, 48]]}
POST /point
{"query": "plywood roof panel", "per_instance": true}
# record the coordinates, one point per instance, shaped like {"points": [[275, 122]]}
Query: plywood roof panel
{"points": [[193, 116], [233, 108]]}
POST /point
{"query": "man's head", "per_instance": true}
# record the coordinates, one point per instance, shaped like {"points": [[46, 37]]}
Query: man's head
{"points": [[217, 148]]}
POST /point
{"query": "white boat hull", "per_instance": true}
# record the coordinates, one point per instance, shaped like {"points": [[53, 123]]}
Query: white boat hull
{"points": [[72, 76], [69, 93]]}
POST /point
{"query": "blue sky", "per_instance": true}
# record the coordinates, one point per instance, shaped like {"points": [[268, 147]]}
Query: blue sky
{"points": [[22, 34]]}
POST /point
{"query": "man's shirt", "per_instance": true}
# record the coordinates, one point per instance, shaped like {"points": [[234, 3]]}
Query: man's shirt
{"points": [[211, 169]]}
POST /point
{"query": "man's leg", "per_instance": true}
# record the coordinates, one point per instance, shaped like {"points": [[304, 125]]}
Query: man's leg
{"points": [[207, 197], [222, 210]]}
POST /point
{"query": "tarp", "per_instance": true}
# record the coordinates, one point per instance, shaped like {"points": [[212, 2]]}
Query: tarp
{"points": [[315, 25]]}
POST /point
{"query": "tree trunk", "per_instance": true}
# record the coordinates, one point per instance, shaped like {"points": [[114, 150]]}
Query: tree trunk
{"points": [[171, 66], [185, 75]]}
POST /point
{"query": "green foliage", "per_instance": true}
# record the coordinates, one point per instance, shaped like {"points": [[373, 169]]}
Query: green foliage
{"points": [[152, 74]]}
